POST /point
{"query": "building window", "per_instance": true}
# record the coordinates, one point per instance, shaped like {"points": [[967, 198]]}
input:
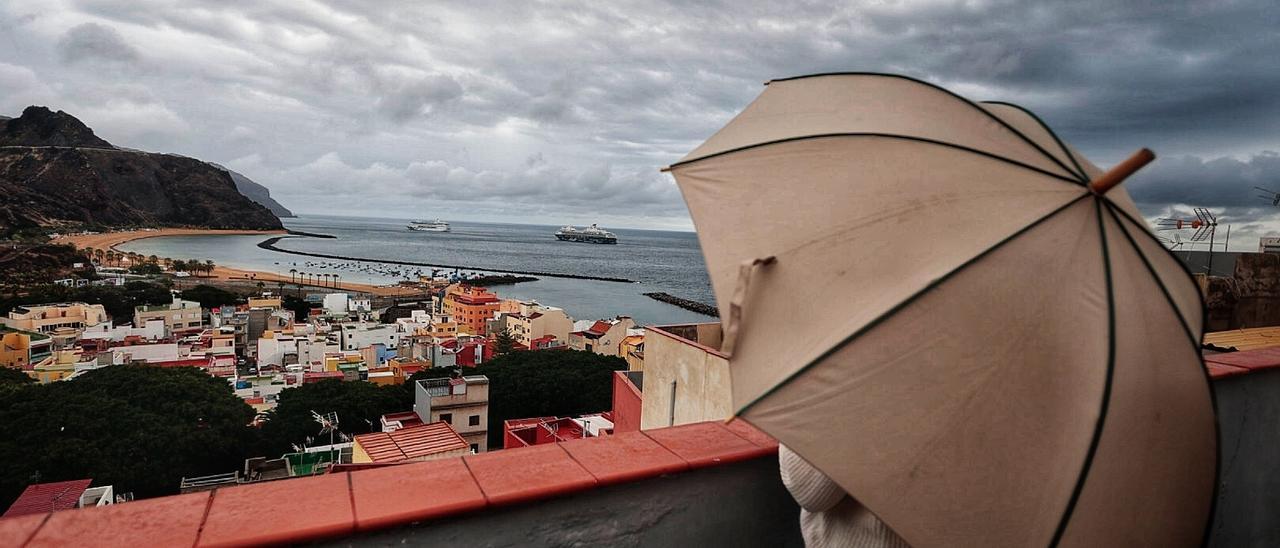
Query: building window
{"points": [[475, 448], [473, 420], [447, 417]]}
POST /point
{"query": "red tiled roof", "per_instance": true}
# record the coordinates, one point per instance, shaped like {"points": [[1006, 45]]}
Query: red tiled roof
{"points": [[411, 443], [48, 497], [600, 327]]}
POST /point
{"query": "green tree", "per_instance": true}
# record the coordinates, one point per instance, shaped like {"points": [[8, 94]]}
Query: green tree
{"points": [[360, 406], [541, 383], [210, 297], [138, 428], [300, 307], [12, 379], [503, 342]]}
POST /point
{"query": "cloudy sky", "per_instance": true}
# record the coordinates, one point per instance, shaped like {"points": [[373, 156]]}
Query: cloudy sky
{"points": [[558, 112]]}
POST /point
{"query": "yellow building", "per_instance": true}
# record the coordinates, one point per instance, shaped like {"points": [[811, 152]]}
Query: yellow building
{"points": [[177, 316], [686, 377], [534, 321], [48, 318], [632, 349], [19, 350], [58, 366], [274, 303]]}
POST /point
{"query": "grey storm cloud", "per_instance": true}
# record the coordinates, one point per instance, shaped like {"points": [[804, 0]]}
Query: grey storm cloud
{"points": [[90, 42], [563, 111]]}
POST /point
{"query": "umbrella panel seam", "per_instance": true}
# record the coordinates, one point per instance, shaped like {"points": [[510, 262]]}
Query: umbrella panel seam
{"points": [[910, 299], [971, 150], [975, 106], [1079, 171], [1213, 399], [1106, 390]]}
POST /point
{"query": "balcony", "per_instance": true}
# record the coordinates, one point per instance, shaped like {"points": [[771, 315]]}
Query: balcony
{"points": [[709, 483]]}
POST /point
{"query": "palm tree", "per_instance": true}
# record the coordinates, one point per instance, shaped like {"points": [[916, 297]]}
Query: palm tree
{"points": [[326, 279], [335, 281], [208, 263], [153, 259], [293, 274]]}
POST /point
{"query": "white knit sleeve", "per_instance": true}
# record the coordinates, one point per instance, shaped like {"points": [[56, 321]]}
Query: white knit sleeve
{"points": [[812, 489]]}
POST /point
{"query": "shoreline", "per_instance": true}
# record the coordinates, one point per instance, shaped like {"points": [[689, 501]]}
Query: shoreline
{"points": [[270, 245], [109, 240]]}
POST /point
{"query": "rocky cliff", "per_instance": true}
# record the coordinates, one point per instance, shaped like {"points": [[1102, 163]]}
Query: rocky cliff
{"points": [[55, 172], [257, 193]]}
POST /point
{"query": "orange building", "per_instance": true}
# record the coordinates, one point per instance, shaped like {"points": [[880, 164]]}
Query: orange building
{"points": [[470, 307]]}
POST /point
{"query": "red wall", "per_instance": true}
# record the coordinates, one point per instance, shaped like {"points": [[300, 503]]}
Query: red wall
{"points": [[626, 404]]}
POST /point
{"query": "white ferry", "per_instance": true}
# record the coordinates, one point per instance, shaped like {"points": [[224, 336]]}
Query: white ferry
{"points": [[429, 226], [591, 235]]}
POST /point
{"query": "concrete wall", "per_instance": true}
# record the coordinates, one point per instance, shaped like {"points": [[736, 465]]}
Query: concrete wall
{"points": [[741, 505], [697, 376], [1248, 510], [628, 407]]}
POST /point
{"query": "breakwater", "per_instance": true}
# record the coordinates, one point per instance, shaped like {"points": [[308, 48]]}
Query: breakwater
{"points": [[692, 306], [270, 244]]}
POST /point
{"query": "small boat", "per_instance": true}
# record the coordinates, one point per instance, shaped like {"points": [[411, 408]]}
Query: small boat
{"points": [[591, 235], [429, 226]]}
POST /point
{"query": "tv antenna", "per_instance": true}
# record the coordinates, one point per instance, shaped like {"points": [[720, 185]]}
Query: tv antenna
{"points": [[328, 423], [1268, 195], [1205, 225]]}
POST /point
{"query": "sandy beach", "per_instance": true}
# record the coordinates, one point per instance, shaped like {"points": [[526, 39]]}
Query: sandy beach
{"points": [[109, 240]]}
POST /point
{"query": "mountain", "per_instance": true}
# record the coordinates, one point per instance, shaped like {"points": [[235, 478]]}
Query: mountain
{"points": [[41, 127], [257, 193], [54, 171]]}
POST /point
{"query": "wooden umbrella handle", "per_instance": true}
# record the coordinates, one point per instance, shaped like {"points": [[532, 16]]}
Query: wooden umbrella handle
{"points": [[1121, 171]]}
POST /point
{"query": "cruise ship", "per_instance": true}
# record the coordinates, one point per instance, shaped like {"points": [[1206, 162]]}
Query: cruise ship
{"points": [[429, 226], [591, 235]]}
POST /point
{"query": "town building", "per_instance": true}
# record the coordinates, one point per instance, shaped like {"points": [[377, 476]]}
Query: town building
{"points": [[543, 430], [632, 349], [547, 342], [179, 316], [64, 321], [461, 402], [602, 336], [20, 349], [42, 498], [533, 321], [420, 442], [470, 306], [686, 377], [153, 330], [628, 401], [354, 336]]}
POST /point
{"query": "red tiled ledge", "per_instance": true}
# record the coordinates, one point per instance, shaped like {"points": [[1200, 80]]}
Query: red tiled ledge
{"points": [[1230, 364], [362, 500]]}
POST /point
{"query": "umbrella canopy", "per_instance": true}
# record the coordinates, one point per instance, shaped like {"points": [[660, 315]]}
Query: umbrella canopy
{"points": [[926, 300]]}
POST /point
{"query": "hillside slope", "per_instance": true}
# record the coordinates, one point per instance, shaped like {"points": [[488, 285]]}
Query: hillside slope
{"points": [[55, 172]]}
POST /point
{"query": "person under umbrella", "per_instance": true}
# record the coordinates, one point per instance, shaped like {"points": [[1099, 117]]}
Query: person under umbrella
{"points": [[955, 317]]}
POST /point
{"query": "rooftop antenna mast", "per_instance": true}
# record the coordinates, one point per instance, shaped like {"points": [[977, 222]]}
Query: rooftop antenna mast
{"points": [[1205, 225], [328, 424], [1270, 196]]}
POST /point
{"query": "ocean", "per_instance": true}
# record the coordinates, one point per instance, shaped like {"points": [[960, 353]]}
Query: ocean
{"points": [[656, 260]]}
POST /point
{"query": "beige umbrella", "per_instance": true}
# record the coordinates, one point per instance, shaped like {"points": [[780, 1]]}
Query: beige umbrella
{"points": [[927, 299]]}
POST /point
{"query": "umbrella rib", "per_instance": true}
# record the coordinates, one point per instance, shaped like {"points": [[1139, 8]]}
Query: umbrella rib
{"points": [[1203, 320], [948, 92], [1061, 146], [1195, 343], [906, 302], [1106, 390], [873, 134], [1163, 289]]}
